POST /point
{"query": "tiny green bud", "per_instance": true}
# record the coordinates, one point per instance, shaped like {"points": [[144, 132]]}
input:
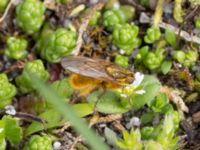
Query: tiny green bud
{"points": [[142, 53], [197, 23], [153, 60], [94, 20], [39, 143], [121, 60], [128, 10], [179, 56], [113, 17], [146, 132], [159, 103], [153, 34], [190, 58]]}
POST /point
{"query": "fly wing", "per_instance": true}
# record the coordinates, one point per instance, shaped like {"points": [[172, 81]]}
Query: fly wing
{"points": [[94, 68]]}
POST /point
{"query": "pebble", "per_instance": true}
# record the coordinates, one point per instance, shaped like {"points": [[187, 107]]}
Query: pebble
{"points": [[56, 145], [144, 18], [10, 110], [94, 1], [134, 121]]}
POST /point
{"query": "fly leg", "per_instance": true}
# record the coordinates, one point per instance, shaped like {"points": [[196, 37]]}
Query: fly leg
{"points": [[95, 116]]}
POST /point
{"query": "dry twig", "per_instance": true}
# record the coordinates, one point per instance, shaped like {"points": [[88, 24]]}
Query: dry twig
{"points": [[196, 117], [84, 25], [176, 99], [6, 11], [78, 139], [185, 35], [109, 118], [50, 4]]}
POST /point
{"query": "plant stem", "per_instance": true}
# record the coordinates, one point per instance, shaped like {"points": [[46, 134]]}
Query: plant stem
{"points": [[158, 13]]}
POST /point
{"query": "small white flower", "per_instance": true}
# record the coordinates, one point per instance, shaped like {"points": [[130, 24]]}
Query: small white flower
{"points": [[56, 145], [10, 110], [133, 87], [1, 130], [122, 52], [140, 92], [138, 79], [123, 95]]}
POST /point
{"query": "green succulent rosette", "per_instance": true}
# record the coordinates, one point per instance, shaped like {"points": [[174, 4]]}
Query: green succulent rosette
{"points": [[190, 58], [152, 35], [113, 17], [16, 48], [8, 91], [57, 45], [154, 60], [179, 56], [187, 59], [39, 143], [125, 37], [30, 15], [121, 60], [36, 68]]}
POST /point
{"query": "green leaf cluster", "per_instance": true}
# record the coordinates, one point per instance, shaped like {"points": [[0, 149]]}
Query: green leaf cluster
{"points": [[9, 130], [8, 91], [131, 141], [161, 137], [150, 59], [187, 59]]}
